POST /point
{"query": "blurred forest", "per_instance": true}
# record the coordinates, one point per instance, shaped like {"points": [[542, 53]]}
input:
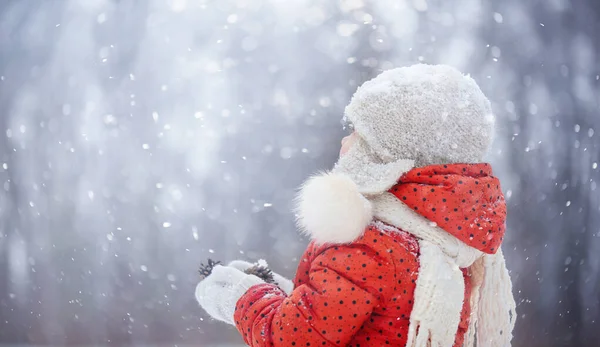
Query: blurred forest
{"points": [[138, 138]]}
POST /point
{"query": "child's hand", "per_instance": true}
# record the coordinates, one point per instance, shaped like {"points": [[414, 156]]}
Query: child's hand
{"points": [[219, 292], [285, 284]]}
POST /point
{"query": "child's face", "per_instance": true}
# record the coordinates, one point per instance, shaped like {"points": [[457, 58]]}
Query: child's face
{"points": [[347, 142]]}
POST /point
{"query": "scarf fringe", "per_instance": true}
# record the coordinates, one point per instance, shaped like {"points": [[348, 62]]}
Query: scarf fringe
{"points": [[496, 307], [436, 311]]}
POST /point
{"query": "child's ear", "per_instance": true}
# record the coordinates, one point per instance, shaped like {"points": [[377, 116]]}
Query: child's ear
{"points": [[330, 209]]}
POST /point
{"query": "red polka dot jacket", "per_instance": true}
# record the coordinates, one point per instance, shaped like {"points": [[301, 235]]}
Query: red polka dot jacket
{"points": [[361, 293]]}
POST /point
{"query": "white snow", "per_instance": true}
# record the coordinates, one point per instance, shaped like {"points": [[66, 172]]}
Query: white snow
{"points": [[134, 135]]}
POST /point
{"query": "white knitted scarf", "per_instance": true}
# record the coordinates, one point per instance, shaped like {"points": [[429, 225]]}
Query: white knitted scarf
{"points": [[439, 294]]}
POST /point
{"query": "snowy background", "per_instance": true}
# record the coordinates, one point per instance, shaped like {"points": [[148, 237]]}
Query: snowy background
{"points": [[140, 137]]}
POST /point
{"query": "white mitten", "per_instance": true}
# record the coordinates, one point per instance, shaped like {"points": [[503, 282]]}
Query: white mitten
{"points": [[285, 284], [220, 291]]}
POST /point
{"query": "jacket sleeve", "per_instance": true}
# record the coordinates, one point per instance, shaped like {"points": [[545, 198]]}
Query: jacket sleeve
{"points": [[326, 311]]}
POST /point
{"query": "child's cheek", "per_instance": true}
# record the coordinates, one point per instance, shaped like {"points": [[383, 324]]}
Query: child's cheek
{"points": [[347, 142]]}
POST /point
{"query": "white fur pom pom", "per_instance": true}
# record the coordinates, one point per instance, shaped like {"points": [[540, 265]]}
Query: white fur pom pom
{"points": [[331, 210]]}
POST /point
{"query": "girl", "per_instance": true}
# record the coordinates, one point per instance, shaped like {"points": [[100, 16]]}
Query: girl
{"points": [[406, 231]]}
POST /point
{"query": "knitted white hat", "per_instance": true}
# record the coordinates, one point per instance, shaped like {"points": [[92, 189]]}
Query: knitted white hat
{"points": [[418, 115]]}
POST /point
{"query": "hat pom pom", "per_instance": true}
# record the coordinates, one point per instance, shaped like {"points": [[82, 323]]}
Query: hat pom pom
{"points": [[330, 209]]}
